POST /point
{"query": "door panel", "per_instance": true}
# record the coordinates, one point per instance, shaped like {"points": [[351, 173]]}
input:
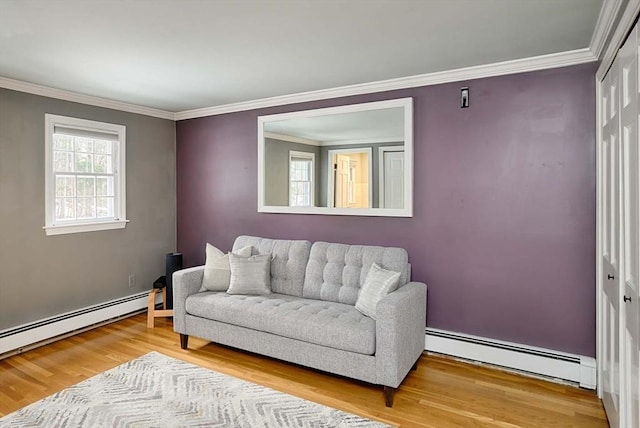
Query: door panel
{"points": [[393, 181], [342, 182]]}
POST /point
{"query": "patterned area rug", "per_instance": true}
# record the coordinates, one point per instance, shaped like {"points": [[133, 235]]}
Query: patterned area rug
{"points": [[158, 391]]}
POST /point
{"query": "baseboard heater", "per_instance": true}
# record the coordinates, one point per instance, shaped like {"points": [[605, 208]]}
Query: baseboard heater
{"points": [[538, 361], [15, 339]]}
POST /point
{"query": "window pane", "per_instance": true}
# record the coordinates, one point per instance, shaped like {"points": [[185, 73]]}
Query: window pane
{"points": [[84, 145], [104, 186], [300, 195], [62, 162], [83, 162], [105, 207], [102, 147], [300, 170], [65, 185], [306, 170], [65, 209], [62, 142], [102, 163], [86, 207], [86, 186]]}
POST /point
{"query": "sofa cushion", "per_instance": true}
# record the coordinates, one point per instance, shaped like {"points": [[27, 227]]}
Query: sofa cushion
{"points": [[250, 275], [217, 272], [329, 324], [288, 261], [335, 272], [378, 283]]}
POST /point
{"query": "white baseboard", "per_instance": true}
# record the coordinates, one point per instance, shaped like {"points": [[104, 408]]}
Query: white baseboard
{"points": [[538, 361], [15, 338]]}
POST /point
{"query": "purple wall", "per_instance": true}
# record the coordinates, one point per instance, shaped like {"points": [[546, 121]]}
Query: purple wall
{"points": [[503, 231]]}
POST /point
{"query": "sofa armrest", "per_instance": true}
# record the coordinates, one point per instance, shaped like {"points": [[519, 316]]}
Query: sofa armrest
{"points": [[400, 332], [185, 283]]}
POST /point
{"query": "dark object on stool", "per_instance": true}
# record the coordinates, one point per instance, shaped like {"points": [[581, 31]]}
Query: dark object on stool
{"points": [[160, 283], [173, 263]]}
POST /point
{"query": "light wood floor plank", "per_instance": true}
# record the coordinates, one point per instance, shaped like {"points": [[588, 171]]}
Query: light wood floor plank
{"points": [[442, 393]]}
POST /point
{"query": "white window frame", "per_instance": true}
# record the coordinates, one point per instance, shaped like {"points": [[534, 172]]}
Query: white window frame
{"points": [[312, 158], [119, 220]]}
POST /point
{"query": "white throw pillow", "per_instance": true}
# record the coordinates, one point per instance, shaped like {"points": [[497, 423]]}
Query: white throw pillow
{"points": [[250, 275], [378, 283], [217, 273]]}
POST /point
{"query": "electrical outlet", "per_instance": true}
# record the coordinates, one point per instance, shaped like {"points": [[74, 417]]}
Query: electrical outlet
{"points": [[132, 280]]}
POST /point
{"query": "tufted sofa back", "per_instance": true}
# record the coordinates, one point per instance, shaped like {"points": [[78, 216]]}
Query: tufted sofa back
{"points": [[288, 261], [335, 272]]}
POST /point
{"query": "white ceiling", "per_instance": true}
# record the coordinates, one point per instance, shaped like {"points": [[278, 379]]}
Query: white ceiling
{"points": [[358, 127], [190, 54]]}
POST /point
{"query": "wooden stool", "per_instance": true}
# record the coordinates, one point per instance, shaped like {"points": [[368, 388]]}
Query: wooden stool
{"points": [[152, 312]]}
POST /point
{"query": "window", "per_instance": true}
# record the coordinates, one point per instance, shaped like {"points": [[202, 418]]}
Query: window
{"points": [[301, 180], [85, 175]]}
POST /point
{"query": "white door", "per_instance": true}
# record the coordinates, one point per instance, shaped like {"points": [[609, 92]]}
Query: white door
{"points": [[610, 245], [620, 238], [392, 179], [630, 232], [341, 182]]}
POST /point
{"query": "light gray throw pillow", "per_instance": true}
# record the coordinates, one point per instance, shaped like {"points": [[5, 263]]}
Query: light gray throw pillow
{"points": [[217, 273], [378, 283], [250, 275]]}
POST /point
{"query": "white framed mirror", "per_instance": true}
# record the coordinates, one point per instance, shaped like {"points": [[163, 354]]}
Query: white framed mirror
{"points": [[348, 160]]}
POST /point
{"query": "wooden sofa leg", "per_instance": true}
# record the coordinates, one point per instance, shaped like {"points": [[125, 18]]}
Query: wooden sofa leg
{"points": [[184, 340], [415, 365], [388, 396]]}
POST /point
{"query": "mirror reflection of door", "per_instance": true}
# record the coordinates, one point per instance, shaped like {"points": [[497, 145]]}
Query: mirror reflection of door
{"points": [[391, 177], [341, 193], [349, 185]]}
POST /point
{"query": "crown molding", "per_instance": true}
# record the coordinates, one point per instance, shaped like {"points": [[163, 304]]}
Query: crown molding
{"points": [[60, 94], [292, 139], [555, 60], [604, 26], [620, 33], [561, 59]]}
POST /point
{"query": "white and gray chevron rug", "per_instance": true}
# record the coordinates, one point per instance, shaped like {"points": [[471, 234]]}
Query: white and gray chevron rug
{"points": [[158, 391]]}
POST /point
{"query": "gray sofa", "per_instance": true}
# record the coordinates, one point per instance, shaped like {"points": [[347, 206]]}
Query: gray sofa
{"points": [[310, 318]]}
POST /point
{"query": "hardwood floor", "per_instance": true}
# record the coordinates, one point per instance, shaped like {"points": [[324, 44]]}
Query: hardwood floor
{"points": [[441, 393]]}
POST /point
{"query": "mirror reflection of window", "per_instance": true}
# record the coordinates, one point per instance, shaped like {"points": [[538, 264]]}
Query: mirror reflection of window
{"points": [[301, 181]]}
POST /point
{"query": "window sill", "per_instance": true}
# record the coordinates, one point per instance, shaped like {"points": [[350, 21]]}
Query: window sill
{"points": [[89, 227]]}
